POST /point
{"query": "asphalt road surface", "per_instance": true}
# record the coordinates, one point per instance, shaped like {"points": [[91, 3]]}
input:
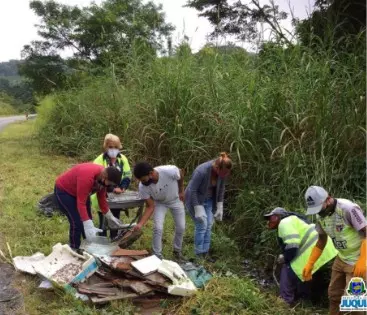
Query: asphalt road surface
{"points": [[4, 121]]}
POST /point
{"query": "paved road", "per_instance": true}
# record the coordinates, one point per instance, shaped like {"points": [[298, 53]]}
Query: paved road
{"points": [[4, 121]]}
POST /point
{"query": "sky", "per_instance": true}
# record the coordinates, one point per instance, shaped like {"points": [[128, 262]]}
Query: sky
{"points": [[17, 22]]}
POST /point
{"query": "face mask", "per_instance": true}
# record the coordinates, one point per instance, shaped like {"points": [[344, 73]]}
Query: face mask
{"points": [[148, 182], [273, 222], [324, 212], [112, 153], [223, 173]]}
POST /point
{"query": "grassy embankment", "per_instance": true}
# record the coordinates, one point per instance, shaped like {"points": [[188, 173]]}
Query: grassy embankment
{"points": [[27, 175]]}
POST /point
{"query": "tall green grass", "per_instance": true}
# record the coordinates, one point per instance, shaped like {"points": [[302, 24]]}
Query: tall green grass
{"points": [[290, 118]]}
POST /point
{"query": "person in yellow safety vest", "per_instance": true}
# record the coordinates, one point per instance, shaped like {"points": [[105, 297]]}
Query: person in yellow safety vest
{"points": [[112, 157], [296, 238], [345, 223]]}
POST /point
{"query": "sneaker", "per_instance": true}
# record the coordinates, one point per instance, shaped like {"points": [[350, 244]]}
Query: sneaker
{"points": [[160, 256], [179, 257]]}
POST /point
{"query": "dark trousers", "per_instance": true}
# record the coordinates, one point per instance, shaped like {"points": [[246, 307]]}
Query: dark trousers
{"points": [[291, 287], [116, 214], [68, 206]]}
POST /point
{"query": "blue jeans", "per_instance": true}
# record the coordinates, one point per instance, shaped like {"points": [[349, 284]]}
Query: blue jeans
{"points": [[67, 204], [203, 231], [291, 287]]}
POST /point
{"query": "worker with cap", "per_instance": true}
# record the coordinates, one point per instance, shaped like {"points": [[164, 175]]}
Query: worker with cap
{"points": [[296, 237], [345, 223]]}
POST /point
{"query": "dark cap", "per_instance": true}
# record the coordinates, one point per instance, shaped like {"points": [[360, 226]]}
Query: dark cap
{"points": [[277, 211]]}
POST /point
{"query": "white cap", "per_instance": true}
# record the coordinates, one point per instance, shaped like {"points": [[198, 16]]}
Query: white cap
{"points": [[315, 196]]}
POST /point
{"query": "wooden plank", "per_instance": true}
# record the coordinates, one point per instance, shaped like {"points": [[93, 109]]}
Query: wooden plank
{"points": [[128, 252], [137, 286], [122, 266], [157, 279], [105, 292], [121, 296]]}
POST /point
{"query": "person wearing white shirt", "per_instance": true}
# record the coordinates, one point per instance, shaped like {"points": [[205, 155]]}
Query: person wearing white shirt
{"points": [[162, 189]]}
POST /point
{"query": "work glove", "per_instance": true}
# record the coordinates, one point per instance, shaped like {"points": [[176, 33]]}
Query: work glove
{"points": [[112, 222], [218, 215], [90, 231], [200, 214], [307, 270], [360, 266], [280, 259]]}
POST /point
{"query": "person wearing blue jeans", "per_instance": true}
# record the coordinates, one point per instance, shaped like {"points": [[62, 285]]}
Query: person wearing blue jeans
{"points": [[204, 199], [203, 230], [68, 205], [72, 191]]}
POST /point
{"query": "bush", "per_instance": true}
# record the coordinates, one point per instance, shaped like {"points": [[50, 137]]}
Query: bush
{"points": [[6, 109]]}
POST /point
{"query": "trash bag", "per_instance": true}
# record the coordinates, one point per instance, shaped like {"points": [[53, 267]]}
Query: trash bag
{"points": [[48, 205], [197, 274]]}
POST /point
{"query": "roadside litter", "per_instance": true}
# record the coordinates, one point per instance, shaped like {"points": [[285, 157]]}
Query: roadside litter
{"points": [[63, 267], [48, 205], [105, 272]]}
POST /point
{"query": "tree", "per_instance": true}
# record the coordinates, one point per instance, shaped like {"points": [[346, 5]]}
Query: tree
{"points": [[241, 19], [44, 68], [9, 68], [101, 33], [97, 35], [332, 23], [11, 84]]}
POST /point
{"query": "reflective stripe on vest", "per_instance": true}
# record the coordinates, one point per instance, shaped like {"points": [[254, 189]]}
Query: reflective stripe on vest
{"points": [[307, 237], [290, 236], [306, 241]]}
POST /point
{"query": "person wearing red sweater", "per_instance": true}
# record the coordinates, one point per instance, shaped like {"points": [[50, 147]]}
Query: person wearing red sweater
{"points": [[73, 189]]}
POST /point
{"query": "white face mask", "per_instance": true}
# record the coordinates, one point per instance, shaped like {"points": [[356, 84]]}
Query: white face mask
{"points": [[112, 153]]}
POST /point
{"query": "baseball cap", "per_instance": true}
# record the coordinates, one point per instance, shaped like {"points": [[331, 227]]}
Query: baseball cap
{"points": [[315, 197], [276, 211]]}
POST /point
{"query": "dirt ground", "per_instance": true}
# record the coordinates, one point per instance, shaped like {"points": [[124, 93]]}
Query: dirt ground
{"points": [[11, 300]]}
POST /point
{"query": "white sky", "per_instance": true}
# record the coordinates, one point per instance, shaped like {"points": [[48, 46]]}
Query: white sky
{"points": [[17, 22]]}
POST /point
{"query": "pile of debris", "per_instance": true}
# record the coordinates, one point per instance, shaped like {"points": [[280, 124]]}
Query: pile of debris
{"points": [[130, 274], [105, 272]]}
